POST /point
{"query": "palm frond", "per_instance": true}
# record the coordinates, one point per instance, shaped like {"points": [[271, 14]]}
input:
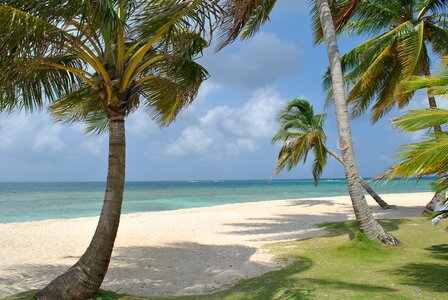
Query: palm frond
{"points": [[27, 83], [173, 88], [320, 160], [421, 159], [437, 85], [301, 131], [420, 119], [244, 17]]}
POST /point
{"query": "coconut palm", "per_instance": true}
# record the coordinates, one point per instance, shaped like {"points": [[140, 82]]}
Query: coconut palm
{"points": [[245, 17], [97, 61], [404, 33], [366, 221], [302, 131], [429, 156]]}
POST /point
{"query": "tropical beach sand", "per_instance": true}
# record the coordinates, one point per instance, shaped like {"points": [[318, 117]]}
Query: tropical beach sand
{"points": [[180, 252]]}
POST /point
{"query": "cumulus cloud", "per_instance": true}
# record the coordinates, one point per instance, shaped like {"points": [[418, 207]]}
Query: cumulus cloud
{"points": [[208, 88], [257, 62], [192, 140], [141, 124], [24, 132], [24, 135], [230, 130]]}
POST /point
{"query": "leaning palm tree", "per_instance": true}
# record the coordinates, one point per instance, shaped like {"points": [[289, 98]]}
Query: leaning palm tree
{"points": [[245, 17], [302, 131], [403, 34], [97, 61]]}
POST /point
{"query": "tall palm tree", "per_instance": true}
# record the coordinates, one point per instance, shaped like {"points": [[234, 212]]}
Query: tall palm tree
{"points": [[97, 61], [403, 34], [302, 131], [245, 17], [366, 221]]}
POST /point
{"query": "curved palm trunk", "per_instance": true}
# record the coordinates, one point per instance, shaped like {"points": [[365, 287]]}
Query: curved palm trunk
{"points": [[84, 279], [364, 184], [367, 223], [438, 197]]}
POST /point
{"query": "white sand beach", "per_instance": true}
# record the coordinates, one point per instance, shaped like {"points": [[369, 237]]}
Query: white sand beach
{"points": [[189, 251]]}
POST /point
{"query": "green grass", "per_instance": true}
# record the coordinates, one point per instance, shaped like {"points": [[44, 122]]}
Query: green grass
{"points": [[346, 265]]}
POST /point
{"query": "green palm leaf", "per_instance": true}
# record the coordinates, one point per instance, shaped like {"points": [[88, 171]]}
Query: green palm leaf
{"points": [[421, 119], [424, 158], [300, 132], [376, 70]]}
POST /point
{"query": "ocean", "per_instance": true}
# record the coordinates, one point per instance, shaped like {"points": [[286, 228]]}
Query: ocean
{"points": [[22, 202]]}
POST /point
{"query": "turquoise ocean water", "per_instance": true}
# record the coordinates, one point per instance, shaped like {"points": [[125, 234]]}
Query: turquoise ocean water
{"points": [[20, 202]]}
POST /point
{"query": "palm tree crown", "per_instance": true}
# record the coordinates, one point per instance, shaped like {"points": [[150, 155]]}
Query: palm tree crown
{"points": [[404, 32], [97, 59], [301, 131]]}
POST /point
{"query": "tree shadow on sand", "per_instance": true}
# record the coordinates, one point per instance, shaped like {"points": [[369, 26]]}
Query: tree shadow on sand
{"points": [[428, 276], [188, 269], [180, 268], [302, 226]]}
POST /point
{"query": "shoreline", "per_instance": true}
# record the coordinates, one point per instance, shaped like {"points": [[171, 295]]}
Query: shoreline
{"points": [[179, 252], [212, 206]]}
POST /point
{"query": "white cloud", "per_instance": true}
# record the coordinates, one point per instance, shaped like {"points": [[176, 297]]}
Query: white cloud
{"points": [[208, 88], [232, 130], [141, 124], [242, 145], [192, 140], [21, 132]]}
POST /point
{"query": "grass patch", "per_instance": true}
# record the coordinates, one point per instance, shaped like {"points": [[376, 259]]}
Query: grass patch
{"points": [[346, 265]]}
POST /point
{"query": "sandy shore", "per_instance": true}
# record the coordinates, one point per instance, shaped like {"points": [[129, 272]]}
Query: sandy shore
{"points": [[179, 252]]}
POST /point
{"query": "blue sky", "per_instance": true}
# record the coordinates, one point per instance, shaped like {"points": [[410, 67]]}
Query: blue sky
{"points": [[225, 134]]}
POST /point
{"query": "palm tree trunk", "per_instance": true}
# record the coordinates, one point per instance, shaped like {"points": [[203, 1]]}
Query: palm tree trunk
{"points": [[84, 279], [367, 223], [441, 196], [364, 184]]}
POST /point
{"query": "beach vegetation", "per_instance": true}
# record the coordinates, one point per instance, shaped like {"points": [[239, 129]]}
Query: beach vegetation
{"points": [[301, 132], [96, 62], [428, 156], [244, 19], [403, 36]]}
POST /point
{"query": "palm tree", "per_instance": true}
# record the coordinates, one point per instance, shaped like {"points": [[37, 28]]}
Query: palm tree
{"points": [[301, 131], [245, 17], [429, 156], [404, 32], [97, 61], [367, 222]]}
